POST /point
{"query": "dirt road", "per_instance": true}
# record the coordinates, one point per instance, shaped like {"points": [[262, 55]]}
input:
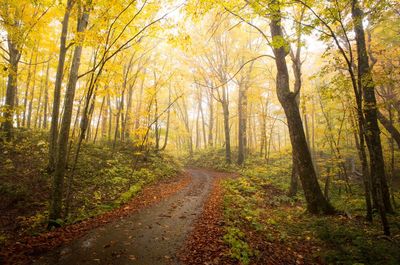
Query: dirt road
{"points": [[149, 237]]}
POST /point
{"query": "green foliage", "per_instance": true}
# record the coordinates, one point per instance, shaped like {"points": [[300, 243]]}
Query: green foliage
{"points": [[243, 209], [3, 239], [103, 180], [211, 158], [256, 203], [116, 179], [276, 172], [133, 190], [240, 203], [278, 42], [352, 245], [16, 192], [239, 249], [34, 222]]}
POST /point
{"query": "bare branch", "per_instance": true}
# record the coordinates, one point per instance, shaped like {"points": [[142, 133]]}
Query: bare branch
{"points": [[237, 72]]}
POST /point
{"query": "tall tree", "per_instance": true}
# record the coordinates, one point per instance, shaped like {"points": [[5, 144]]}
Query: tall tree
{"points": [[295, 56], [57, 87], [61, 162], [372, 131], [12, 23], [316, 202]]}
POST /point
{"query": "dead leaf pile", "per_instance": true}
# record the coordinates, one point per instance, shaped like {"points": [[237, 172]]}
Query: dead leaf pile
{"points": [[205, 245]]}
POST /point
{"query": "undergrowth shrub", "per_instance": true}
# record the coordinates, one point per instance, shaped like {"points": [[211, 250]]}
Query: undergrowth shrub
{"points": [[256, 203], [355, 245], [239, 249], [104, 178], [116, 180], [212, 159]]}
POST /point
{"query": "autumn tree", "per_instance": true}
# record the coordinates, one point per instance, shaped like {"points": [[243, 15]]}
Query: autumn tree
{"points": [[18, 19]]}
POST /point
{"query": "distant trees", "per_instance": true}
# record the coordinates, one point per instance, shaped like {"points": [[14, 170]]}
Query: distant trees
{"points": [[302, 160], [364, 93], [244, 83], [219, 62], [114, 43], [329, 19], [18, 19]]}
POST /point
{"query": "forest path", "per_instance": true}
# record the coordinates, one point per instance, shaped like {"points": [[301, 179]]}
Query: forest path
{"points": [[151, 236]]}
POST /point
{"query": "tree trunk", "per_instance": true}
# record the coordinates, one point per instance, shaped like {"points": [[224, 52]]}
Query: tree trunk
{"points": [[242, 134], [263, 118], [389, 127], [61, 162], [75, 123], [38, 117], [216, 137], [203, 122], [263, 132], [99, 119], [225, 109], [327, 183], [360, 144], [57, 88], [139, 106], [156, 124], [316, 202], [46, 97], [197, 143], [293, 179], [84, 127], [250, 131], [104, 120], [110, 114], [32, 95], [372, 132], [392, 157], [296, 66], [211, 119], [126, 126], [28, 82], [168, 120], [88, 132], [268, 151], [11, 89], [118, 117]]}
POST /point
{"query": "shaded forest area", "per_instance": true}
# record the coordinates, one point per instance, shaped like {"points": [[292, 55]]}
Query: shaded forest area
{"points": [[297, 101]]}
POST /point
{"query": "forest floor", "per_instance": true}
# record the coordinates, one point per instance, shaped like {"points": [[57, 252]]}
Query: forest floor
{"points": [[213, 218], [189, 227]]}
